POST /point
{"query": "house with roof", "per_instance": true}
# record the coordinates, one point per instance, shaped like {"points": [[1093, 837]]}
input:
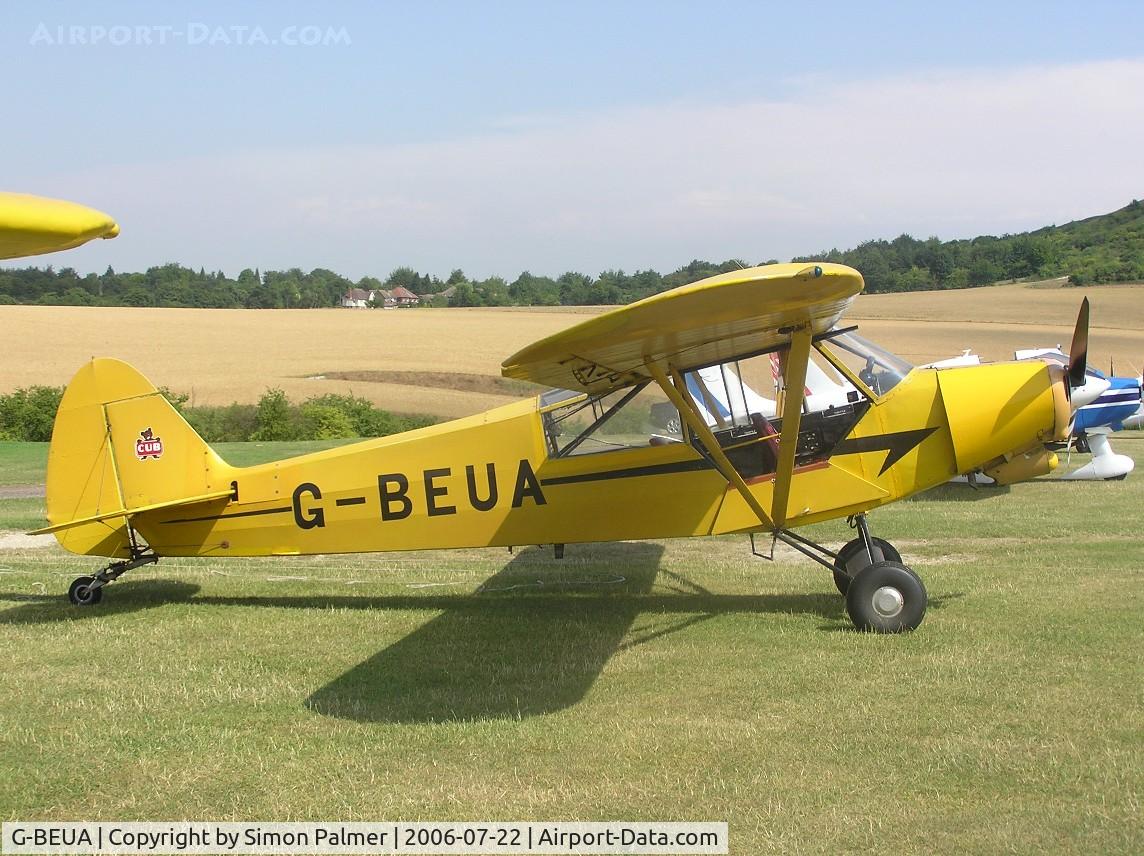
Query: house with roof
{"points": [[356, 298], [359, 298], [382, 299], [402, 296]]}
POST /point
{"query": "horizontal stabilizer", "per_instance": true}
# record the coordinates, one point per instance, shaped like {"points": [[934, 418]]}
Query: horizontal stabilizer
{"points": [[128, 512]]}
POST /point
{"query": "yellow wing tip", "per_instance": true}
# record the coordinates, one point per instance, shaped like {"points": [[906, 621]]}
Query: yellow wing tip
{"points": [[33, 225]]}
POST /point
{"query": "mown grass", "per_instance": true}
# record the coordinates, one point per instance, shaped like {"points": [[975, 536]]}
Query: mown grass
{"points": [[22, 463], [22, 514], [642, 681]]}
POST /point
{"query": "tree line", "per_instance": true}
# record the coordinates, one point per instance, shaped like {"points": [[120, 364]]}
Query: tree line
{"points": [[29, 413], [1106, 248]]}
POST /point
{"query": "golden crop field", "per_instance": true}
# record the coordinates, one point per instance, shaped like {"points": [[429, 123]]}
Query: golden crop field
{"points": [[223, 355], [928, 325]]}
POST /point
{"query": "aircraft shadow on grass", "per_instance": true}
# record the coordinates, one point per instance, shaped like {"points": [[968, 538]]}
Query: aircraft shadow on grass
{"points": [[529, 644], [531, 641], [534, 639]]}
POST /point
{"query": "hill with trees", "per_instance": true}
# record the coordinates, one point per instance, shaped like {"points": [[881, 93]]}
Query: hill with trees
{"points": [[1102, 249]]}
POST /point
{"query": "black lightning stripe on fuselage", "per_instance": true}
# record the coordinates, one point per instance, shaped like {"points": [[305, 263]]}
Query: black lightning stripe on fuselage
{"points": [[631, 472], [895, 445]]}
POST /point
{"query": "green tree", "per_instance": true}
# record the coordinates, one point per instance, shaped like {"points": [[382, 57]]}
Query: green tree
{"points": [[465, 295], [983, 271], [29, 413], [406, 277], [323, 422], [273, 421]]}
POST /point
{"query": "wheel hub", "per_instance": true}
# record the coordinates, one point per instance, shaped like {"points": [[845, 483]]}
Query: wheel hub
{"points": [[888, 602]]}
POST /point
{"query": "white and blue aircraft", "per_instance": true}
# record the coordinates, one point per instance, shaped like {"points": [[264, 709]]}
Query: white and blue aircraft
{"points": [[1118, 402]]}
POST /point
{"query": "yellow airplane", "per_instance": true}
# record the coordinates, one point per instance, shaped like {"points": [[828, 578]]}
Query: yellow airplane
{"points": [[33, 225], [620, 449]]}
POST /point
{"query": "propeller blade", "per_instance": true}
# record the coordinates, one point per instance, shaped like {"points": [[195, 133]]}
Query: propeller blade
{"points": [[1078, 353]]}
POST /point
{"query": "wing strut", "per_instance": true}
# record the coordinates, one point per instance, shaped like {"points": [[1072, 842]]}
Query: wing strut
{"points": [[794, 381], [689, 413]]}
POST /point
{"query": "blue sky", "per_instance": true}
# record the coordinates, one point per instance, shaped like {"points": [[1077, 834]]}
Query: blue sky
{"points": [[499, 137]]}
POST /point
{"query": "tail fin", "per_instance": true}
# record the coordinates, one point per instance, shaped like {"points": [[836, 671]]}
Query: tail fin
{"points": [[119, 448]]}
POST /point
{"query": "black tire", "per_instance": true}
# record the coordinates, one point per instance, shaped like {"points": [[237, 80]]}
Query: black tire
{"points": [[81, 593], [886, 597], [841, 577]]}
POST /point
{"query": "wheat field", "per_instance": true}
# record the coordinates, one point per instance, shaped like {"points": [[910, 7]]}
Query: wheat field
{"points": [[222, 355]]}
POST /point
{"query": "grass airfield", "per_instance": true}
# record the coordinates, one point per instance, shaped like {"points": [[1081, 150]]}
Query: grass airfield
{"points": [[676, 680]]}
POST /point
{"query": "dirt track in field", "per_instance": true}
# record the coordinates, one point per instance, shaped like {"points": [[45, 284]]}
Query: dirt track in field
{"points": [[21, 491]]}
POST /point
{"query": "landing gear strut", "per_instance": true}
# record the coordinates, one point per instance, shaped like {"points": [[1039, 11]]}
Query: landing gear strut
{"points": [[882, 595], [88, 591], [859, 553]]}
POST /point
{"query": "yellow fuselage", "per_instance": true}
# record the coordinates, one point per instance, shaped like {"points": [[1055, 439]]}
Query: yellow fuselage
{"points": [[488, 480]]}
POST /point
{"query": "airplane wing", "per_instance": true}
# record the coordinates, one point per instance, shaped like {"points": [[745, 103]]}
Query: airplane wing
{"points": [[32, 225], [715, 320]]}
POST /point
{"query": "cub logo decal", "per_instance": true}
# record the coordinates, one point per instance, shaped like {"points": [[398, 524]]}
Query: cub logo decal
{"points": [[148, 445]]}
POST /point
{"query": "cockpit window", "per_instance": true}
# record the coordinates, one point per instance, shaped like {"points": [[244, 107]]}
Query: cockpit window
{"points": [[745, 404], [742, 402], [633, 417], [876, 367]]}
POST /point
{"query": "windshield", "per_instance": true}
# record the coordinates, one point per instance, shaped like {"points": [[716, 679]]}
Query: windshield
{"points": [[875, 366]]}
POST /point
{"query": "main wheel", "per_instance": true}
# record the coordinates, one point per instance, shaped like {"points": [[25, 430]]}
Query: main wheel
{"points": [[886, 597], [81, 592], [842, 578]]}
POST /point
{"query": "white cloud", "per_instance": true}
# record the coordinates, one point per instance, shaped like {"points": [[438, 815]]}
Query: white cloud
{"points": [[953, 154]]}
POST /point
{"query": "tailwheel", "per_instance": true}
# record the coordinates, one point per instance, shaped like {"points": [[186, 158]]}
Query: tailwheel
{"points": [[88, 591], [84, 592], [883, 551], [886, 597]]}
